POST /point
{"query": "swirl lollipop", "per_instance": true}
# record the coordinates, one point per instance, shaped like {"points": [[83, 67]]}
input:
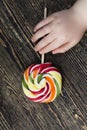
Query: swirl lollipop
{"points": [[42, 83]]}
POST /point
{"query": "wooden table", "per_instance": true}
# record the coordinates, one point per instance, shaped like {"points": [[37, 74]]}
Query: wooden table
{"points": [[68, 111]]}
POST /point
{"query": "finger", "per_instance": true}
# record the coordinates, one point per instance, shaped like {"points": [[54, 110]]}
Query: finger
{"points": [[44, 42], [51, 46], [42, 32], [43, 23], [63, 48]]}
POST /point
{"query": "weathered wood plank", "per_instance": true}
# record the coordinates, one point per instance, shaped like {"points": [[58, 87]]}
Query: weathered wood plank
{"points": [[68, 112], [3, 123]]}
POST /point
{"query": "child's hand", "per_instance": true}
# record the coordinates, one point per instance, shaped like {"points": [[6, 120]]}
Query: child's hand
{"points": [[59, 32]]}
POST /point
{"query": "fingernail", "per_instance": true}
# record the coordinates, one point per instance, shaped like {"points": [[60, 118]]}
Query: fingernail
{"points": [[34, 30], [53, 52], [32, 39], [35, 48], [41, 52]]}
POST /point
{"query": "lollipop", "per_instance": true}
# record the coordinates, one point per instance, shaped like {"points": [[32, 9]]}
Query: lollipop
{"points": [[42, 83]]}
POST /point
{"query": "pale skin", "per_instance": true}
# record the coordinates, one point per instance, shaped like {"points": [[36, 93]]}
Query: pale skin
{"points": [[61, 30]]}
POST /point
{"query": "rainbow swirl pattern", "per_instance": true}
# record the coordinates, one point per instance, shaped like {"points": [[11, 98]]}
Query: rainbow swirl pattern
{"points": [[42, 83]]}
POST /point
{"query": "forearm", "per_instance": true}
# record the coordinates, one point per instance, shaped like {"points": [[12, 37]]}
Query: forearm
{"points": [[80, 10]]}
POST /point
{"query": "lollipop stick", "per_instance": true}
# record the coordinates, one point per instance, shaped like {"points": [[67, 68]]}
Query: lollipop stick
{"points": [[45, 14]]}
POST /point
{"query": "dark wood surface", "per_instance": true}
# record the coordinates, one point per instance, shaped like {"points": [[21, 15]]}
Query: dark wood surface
{"points": [[68, 111]]}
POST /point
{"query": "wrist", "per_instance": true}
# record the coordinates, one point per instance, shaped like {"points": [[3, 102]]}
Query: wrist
{"points": [[79, 11]]}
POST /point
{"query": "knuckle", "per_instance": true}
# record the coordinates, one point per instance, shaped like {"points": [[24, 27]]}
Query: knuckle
{"points": [[64, 38], [45, 30], [43, 40], [38, 35]]}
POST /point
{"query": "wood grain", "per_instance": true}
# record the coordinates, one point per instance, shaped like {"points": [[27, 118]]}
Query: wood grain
{"points": [[68, 111]]}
